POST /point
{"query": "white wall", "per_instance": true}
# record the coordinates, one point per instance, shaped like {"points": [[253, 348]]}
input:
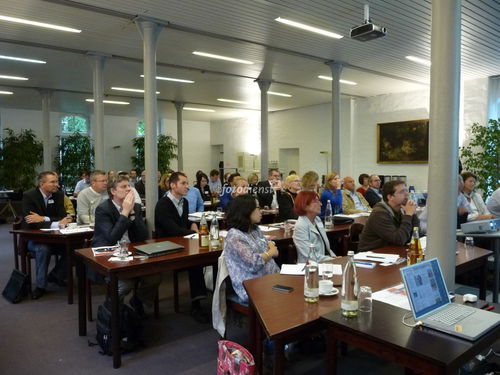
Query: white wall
{"points": [[118, 134]]}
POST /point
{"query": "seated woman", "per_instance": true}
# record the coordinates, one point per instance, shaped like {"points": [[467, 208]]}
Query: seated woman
{"points": [[202, 186], [363, 181], [239, 186], [163, 185], [247, 252], [477, 209], [253, 180], [286, 198], [119, 218], [310, 181], [309, 229], [331, 193]]}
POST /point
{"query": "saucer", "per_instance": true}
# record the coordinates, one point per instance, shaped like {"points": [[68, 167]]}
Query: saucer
{"points": [[117, 253], [333, 292]]}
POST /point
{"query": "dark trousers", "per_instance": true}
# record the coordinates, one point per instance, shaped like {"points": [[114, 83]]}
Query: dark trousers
{"points": [[197, 283]]}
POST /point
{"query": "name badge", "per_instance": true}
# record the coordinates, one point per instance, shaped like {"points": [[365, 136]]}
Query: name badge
{"points": [[50, 201]]}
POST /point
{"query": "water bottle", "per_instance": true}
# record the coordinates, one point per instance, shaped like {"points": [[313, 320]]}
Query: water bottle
{"points": [[311, 276], [328, 215], [413, 196], [350, 288], [214, 233]]}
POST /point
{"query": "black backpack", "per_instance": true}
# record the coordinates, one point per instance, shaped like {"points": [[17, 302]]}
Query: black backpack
{"points": [[130, 328]]}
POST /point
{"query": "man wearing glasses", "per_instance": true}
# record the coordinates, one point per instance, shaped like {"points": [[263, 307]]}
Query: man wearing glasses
{"points": [[91, 197], [392, 220], [373, 194]]}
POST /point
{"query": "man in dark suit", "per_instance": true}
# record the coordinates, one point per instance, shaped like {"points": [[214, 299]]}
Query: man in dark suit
{"points": [[119, 218], [43, 207], [266, 190], [373, 195], [171, 219]]}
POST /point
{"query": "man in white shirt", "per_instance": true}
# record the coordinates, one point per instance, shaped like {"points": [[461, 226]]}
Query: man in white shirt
{"points": [[373, 195], [91, 197], [494, 203], [214, 182], [82, 184], [352, 201]]}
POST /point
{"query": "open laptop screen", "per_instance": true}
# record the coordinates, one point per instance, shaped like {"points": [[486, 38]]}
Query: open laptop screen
{"points": [[425, 287]]}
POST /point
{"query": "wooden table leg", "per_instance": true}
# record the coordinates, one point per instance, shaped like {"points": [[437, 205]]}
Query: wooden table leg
{"points": [[69, 268], [115, 322], [82, 318], [23, 252], [279, 357], [331, 352], [484, 279]]}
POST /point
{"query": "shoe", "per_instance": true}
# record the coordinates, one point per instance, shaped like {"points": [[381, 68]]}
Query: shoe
{"points": [[199, 315], [37, 293], [136, 304], [52, 279]]}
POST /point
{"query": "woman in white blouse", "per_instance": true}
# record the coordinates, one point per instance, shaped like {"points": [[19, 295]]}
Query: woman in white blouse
{"points": [[478, 210]]}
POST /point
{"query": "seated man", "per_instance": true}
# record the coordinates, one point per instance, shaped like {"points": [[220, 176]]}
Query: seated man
{"points": [[91, 197], [195, 201], [171, 219], [214, 182], [494, 203], [392, 220], [119, 218], [82, 184], [352, 201], [373, 195], [43, 207], [266, 190]]}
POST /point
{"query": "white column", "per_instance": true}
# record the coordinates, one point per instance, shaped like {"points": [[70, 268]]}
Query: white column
{"points": [[336, 69], [98, 128], [264, 128], [443, 135], [149, 32], [47, 144], [180, 157]]}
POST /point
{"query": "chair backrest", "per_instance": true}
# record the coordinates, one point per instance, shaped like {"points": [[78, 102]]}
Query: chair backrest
{"points": [[154, 235], [351, 241]]}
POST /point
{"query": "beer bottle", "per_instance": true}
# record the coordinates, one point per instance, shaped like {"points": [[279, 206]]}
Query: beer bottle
{"points": [[415, 251], [203, 235]]}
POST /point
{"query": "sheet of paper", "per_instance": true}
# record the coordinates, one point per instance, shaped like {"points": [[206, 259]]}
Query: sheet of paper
{"points": [[298, 269], [76, 230], [376, 257], [48, 229], [116, 259], [266, 228], [395, 295]]}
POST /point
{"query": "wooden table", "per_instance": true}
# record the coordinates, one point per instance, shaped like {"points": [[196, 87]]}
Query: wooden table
{"points": [[191, 256], [70, 241], [284, 317], [381, 333]]}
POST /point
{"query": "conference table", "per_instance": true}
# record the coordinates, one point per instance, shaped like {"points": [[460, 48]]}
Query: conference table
{"points": [[191, 256], [71, 241], [285, 317]]}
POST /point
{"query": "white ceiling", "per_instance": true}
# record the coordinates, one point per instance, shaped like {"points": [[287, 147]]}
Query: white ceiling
{"points": [[245, 29]]}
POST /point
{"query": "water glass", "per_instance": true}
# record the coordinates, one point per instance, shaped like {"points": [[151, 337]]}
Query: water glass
{"points": [[327, 271], [288, 226], [469, 244], [123, 253], [365, 299]]}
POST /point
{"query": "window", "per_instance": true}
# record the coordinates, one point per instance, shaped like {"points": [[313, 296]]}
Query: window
{"points": [[74, 124], [140, 128]]}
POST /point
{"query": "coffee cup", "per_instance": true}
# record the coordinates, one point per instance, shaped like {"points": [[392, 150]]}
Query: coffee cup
{"points": [[325, 286]]}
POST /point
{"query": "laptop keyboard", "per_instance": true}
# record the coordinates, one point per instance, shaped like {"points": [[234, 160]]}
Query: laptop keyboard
{"points": [[451, 315]]}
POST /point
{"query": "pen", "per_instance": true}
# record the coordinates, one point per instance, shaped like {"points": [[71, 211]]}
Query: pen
{"points": [[375, 257], [489, 307], [365, 263]]}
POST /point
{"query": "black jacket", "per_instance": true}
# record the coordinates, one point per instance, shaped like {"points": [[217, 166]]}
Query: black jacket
{"points": [[265, 194], [372, 197], [110, 225], [168, 223], [33, 201]]}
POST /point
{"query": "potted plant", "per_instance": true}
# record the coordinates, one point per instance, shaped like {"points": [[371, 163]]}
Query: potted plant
{"points": [[482, 155], [166, 152], [20, 154], [75, 155]]}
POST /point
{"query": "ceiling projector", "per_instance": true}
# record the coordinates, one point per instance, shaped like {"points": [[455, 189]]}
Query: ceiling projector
{"points": [[367, 31]]}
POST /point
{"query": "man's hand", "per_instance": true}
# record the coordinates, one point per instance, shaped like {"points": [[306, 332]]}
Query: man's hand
{"points": [[194, 227], [485, 217], [410, 207], [33, 217], [276, 185], [128, 203], [65, 221]]}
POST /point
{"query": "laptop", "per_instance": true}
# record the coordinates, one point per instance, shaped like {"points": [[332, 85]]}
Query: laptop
{"points": [[430, 303], [157, 249]]}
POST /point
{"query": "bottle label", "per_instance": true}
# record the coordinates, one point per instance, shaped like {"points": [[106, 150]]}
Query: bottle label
{"points": [[204, 240], [349, 305]]}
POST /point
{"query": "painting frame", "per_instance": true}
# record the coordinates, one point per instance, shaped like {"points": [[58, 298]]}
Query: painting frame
{"points": [[403, 142]]}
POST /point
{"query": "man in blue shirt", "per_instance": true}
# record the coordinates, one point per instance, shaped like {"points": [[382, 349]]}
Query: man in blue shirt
{"points": [[195, 201]]}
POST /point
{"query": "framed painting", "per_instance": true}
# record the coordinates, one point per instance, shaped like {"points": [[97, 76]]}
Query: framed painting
{"points": [[403, 142]]}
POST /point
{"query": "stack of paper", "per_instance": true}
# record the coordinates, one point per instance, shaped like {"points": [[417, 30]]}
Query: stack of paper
{"points": [[377, 257], [299, 269], [76, 230]]}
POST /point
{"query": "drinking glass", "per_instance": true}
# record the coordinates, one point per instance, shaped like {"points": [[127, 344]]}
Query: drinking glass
{"points": [[365, 299], [327, 271], [123, 251], [469, 244]]}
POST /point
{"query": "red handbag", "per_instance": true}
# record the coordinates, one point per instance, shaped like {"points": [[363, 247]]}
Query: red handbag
{"points": [[234, 359]]}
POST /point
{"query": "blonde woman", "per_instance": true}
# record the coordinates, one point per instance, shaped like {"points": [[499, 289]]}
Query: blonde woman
{"points": [[310, 181], [332, 193], [286, 197]]}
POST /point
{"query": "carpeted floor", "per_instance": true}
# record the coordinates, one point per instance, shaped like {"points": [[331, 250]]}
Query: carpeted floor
{"points": [[41, 337]]}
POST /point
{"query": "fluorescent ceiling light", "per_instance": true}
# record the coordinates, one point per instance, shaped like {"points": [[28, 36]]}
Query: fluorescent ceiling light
{"points": [[231, 101], [6, 92], [198, 109], [40, 24], [220, 57], [172, 79], [279, 94], [22, 59], [129, 90], [14, 77], [309, 28], [345, 82], [419, 60], [109, 102]]}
